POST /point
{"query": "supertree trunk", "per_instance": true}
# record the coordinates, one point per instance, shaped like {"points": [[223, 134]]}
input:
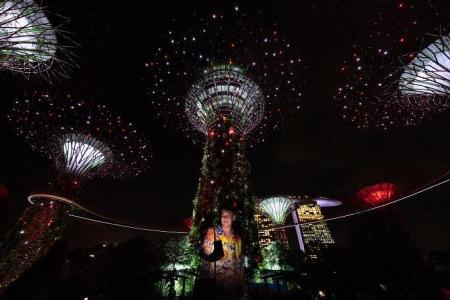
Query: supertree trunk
{"points": [[40, 226], [224, 182]]}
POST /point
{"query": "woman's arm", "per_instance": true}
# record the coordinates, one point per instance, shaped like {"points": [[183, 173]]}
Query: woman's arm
{"points": [[208, 242]]}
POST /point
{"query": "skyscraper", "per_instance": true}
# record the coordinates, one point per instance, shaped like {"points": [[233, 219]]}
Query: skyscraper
{"points": [[313, 238], [266, 235]]}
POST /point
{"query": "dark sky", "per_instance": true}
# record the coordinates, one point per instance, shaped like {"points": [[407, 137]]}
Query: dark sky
{"points": [[315, 152]]}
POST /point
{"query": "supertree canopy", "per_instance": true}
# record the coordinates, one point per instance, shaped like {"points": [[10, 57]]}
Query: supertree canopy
{"points": [[28, 41], [83, 140], [378, 194], [238, 54], [83, 153], [225, 92], [225, 75], [277, 208], [371, 90], [425, 81]]}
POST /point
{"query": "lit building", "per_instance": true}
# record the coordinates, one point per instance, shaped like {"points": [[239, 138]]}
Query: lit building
{"points": [[266, 235], [312, 238]]}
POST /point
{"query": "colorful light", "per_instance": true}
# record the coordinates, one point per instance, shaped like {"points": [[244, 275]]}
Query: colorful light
{"points": [[235, 55], [378, 194], [82, 139], [368, 94]]}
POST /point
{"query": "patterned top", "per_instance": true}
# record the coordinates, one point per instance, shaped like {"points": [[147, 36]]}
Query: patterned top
{"points": [[228, 270]]}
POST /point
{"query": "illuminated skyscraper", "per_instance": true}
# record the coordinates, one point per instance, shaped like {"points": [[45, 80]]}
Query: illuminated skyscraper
{"points": [[267, 235], [315, 237]]}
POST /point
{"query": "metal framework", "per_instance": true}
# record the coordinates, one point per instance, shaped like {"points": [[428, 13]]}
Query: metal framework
{"points": [[224, 91], [277, 208], [425, 81], [27, 39], [82, 153]]}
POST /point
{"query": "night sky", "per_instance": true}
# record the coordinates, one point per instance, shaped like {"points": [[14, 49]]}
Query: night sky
{"points": [[316, 152]]}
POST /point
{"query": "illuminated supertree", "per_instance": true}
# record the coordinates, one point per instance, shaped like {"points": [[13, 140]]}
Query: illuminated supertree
{"points": [[83, 140], [378, 194], [28, 41], [425, 81], [231, 79], [371, 86], [277, 208]]}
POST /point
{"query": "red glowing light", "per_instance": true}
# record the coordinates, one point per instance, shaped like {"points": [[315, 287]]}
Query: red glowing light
{"points": [[378, 194], [445, 293], [231, 131], [4, 192], [187, 223]]}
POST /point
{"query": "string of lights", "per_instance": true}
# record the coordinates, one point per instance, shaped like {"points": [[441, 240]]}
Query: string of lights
{"points": [[116, 224]]}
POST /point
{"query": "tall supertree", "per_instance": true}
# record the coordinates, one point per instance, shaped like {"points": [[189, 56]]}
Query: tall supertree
{"points": [[375, 84], [28, 41], [82, 140], [230, 77]]}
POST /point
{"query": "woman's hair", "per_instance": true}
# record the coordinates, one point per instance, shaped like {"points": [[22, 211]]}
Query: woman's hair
{"points": [[228, 207]]}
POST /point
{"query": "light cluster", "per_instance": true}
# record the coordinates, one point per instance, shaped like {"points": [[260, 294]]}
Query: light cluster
{"points": [[378, 194], [277, 208], [225, 92], [269, 67], [28, 41], [81, 138], [368, 94]]}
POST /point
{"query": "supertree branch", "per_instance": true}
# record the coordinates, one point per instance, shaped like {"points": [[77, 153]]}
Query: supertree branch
{"points": [[225, 91], [82, 153], [28, 41], [425, 81]]}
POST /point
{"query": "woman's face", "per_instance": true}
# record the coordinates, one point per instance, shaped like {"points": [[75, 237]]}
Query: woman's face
{"points": [[226, 218]]}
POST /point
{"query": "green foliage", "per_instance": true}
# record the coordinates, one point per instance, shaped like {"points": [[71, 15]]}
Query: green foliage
{"points": [[179, 253], [275, 257]]}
